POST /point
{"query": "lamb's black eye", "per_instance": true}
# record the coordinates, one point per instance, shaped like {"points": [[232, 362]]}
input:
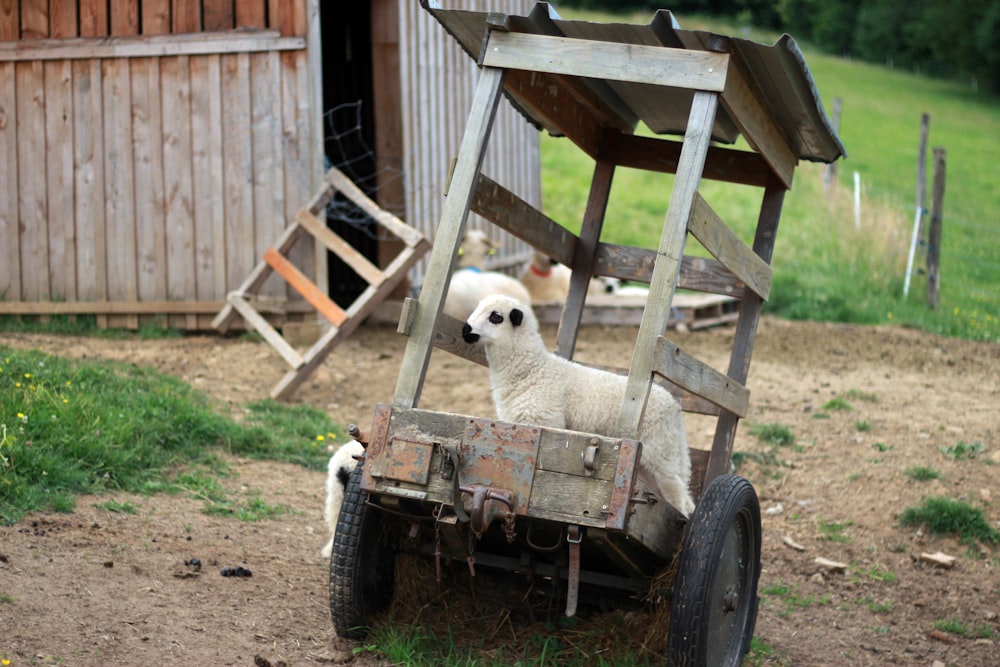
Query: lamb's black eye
{"points": [[496, 318]]}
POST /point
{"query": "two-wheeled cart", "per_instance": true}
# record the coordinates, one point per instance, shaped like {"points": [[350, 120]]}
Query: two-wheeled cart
{"points": [[565, 505]]}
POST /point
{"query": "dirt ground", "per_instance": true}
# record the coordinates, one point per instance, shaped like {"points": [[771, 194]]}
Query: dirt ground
{"points": [[100, 588]]}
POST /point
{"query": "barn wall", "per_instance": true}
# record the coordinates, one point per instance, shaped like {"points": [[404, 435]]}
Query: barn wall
{"points": [[438, 84], [144, 168]]}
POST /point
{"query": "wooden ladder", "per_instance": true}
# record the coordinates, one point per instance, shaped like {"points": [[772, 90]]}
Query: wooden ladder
{"points": [[343, 322]]}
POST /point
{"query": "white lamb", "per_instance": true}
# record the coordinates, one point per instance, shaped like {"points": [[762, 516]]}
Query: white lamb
{"points": [[534, 386], [342, 463], [470, 283], [547, 281]]}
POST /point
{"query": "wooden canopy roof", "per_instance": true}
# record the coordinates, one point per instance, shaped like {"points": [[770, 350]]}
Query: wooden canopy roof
{"points": [[581, 79]]}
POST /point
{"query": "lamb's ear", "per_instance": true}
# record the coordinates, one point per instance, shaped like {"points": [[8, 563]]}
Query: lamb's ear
{"points": [[516, 317]]}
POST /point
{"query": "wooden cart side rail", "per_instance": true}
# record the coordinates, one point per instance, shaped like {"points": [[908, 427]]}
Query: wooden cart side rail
{"points": [[514, 215], [725, 246], [699, 378], [448, 337]]}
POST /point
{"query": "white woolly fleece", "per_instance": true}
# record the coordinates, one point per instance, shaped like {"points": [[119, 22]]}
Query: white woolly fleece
{"points": [[534, 386]]}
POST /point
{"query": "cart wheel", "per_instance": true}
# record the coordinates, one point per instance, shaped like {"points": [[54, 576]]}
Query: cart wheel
{"points": [[714, 605], [362, 564]]}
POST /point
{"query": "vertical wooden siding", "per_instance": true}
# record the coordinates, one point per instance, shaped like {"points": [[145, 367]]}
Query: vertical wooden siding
{"points": [[148, 179], [438, 83]]}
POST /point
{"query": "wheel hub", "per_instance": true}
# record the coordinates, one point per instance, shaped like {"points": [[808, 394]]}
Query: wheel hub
{"points": [[731, 600]]}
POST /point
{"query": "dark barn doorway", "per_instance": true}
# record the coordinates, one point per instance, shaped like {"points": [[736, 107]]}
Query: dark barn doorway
{"points": [[349, 133]]}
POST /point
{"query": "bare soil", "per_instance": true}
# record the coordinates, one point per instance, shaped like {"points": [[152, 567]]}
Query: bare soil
{"points": [[99, 588]]}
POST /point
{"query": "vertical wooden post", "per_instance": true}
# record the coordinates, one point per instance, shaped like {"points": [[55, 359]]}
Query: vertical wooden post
{"points": [[921, 208], [830, 173], [934, 234]]}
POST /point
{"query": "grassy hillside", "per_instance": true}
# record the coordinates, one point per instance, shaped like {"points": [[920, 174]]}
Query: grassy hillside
{"points": [[826, 268]]}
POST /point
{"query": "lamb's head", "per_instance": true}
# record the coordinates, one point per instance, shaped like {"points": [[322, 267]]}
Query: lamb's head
{"points": [[499, 318], [475, 248]]}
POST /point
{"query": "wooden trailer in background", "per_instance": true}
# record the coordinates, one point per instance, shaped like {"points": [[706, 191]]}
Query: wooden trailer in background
{"points": [[152, 150]]}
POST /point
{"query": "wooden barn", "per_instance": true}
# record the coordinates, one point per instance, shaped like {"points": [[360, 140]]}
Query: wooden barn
{"points": [[152, 150]]}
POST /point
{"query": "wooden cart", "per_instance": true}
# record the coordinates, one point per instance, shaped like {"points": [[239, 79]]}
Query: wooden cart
{"points": [[567, 505]]}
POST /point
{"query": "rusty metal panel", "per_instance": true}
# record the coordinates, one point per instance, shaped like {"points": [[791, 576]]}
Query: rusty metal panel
{"points": [[501, 456], [375, 453], [409, 461], [624, 484]]}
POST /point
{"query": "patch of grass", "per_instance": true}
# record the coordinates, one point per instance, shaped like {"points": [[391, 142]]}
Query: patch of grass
{"points": [[76, 427], [877, 573], [252, 510], [963, 451], [761, 653], [117, 506], [956, 627], [833, 531], [6, 598], [922, 473], [838, 404], [882, 447], [790, 598], [864, 426], [858, 395], [944, 516], [773, 434]]}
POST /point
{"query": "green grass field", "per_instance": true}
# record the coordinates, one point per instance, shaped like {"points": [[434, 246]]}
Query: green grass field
{"points": [[825, 267]]}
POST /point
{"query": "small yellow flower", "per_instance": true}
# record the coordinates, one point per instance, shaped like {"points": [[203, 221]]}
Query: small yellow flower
{"points": [[4, 662], [320, 438], [65, 400], [332, 436], [17, 384], [27, 375], [20, 415]]}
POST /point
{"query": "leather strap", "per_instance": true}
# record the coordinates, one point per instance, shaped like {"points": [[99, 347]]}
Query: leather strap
{"points": [[574, 535]]}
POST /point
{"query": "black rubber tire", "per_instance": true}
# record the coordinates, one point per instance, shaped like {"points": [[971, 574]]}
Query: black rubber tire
{"points": [[714, 605], [362, 563]]}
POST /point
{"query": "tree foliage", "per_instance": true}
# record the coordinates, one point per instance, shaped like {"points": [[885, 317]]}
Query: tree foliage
{"points": [[949, 38]]}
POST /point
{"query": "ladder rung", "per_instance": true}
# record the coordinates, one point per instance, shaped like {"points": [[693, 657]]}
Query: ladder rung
{"points": [[305, 287]]}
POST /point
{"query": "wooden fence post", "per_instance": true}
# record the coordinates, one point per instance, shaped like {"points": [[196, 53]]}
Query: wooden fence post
{"points": [[830, 173], [921, 208], [934, 234]]}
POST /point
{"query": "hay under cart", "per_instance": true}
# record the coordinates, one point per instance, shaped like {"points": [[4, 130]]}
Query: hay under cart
{"points": [[565, 506]]}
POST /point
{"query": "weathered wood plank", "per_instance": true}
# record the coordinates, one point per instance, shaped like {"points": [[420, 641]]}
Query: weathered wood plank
{"points": [[295, 152], [218, 15], [452, 224], [119, 184], [155, 17], [207, 176], [669, 255], [251, 14], [697, 273], [101, 307], [34, 19], [186, 16], [10, 21], [59, 176], [10, 247], [147, 161], [699, 378], [516, 216], [32, 195], [305, 287], [758, 127], [88, 174], [658, 66], [93, 18], [124, 15], [268, 189], [178, 189], [63, 20], [662, 155], [362, 307], [148, 47], [265, 329], [583, 258], [238, 175], [391, 223], [746, 327], [358, 262], [728, 248]]}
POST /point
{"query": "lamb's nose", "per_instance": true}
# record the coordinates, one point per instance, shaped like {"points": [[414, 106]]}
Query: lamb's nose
{"points": [[467, 334]]}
